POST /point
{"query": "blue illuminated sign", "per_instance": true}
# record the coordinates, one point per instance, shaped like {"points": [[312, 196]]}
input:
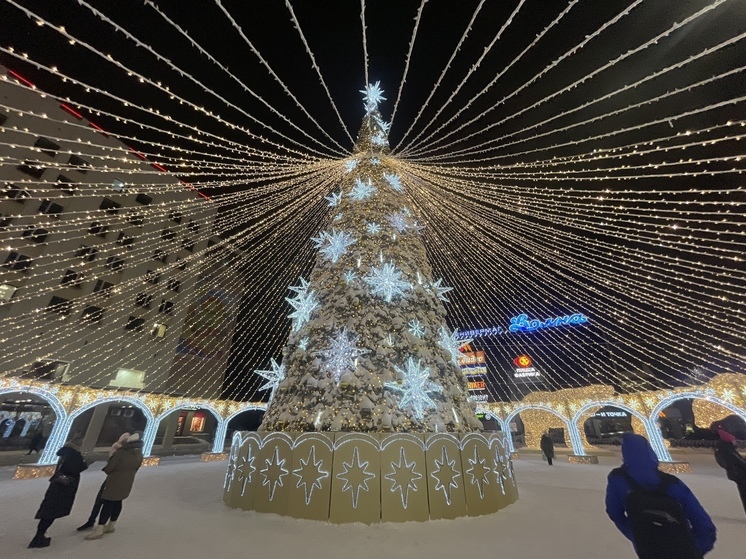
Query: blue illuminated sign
{"points": [[521, 323]]}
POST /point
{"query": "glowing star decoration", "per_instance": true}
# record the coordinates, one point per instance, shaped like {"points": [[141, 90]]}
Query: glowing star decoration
{"points": [[403, 477], [342, 353], [245, 470], [230, 473], [303, 343], [394, 181], [304, 303], [334, 199], [445, 475], [372, 228], [274, 377], [451, 343], [478, 472], [310, 474], [335, 244], [350, 165], [500, 470], [416, 328], [355, 476], [350, 276], [415, 388], [386, 281], [372, 96], [362, 190], [385, 126], [273, 473], [398, 221], [441, 290]]}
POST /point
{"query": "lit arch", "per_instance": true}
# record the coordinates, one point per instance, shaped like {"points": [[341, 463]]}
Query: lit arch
{"points": [[651, 428], [219, 442], [572, 430], [695, 395], [492, 415], [150, 434], [57, 436]]}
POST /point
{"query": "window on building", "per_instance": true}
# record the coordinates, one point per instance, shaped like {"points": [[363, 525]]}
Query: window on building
{"points": [[99, 229], [152, 277], [110, 206], [193, 226], [92, 314], [136, 219], [7, 291], [59, 305], [143, 199], [32, 169], [174, 285], [118, 185], [129, 378], [48, 370], [134, 323], [168, 235], [4, 221], [160, 255], [166, 307], [15, 192], [37, 235], [181, 263], [52, 209], [175, 216], [125, 240], [87, 253], [103, 287], [17, 261], [47, 146], [188, 244], [158, 330], [66, 185], [72, 278], [81, 164], [115, 263], [143, 300]]}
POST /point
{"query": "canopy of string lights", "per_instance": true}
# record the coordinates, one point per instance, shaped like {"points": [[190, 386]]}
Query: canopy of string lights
{"points": [[572, 161]]}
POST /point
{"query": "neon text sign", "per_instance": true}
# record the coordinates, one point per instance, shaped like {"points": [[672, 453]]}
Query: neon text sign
{"points": [[521, 323]]}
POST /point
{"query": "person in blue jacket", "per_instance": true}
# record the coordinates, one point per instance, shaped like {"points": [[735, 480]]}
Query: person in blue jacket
{"points": [[640, 463]]}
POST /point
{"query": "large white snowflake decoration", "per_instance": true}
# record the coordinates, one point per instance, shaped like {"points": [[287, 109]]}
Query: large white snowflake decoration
{"points": [[342, 353], [415, 388], [372, 96], [379, 139], [394, 181], [304, 303], [441, 290], [350, 165], [416, 227], [398, 221], [362, 190], [451, 343], [416, 328], [320, 239], [333, 245], [274, 377], [385, 126], [334, 199], [386, 281], [303, 343], [372, 228], [350, 276]]}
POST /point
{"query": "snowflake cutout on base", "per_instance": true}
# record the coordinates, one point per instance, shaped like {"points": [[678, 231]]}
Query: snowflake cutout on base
{"points": [[415, 388], [274, 377], [355, 476], [394, 181], [273, 473], [445, 475], [362, 190], [441, 290], [334, 199], [372, 96], [310, 471], [403, 477], [373, 228], [245, 470], [416, 329], [451, 343], [350, 164], [478, 472], [304, 303], [386, 282], [333, 245], [342, 353]]}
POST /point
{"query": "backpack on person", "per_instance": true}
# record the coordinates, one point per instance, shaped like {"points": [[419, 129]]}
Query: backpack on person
{"points": [[659, 524]]}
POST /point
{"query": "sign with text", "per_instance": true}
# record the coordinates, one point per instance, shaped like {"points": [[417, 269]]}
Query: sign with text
{"points": [[524, 369]]}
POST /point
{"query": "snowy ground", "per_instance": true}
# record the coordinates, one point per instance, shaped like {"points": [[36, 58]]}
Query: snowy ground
{"points": [[175, 511]]}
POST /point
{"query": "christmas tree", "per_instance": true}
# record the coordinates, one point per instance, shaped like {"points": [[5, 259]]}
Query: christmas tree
{"points": [[369, 348]]}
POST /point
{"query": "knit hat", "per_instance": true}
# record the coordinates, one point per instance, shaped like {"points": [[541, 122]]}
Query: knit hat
{"points": [[134, 437], [727, 437]]}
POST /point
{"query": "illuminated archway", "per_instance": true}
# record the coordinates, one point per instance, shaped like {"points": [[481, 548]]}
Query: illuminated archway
{"points": [[490, 415], [58, 434], [574, 434], [223, 425], [216, 447]]}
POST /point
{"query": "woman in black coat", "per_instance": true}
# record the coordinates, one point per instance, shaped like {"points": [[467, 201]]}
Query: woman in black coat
{"points": [[547, 447], [60, 496], [732, 462]]}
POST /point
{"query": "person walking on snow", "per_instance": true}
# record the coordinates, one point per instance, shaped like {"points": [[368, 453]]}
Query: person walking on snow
{"points": [[34, 444], [60, 495], [547, 447], [656, 511], [120, 476], [98, 503], [732, 462]]}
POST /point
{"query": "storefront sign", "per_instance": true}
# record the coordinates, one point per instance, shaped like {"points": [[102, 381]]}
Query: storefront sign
{"points": [[521, 323], [610, 414], [524, 367]]}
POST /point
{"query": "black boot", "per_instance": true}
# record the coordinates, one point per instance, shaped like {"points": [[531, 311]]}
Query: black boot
{"points": [[40, 541], [87, 526]]}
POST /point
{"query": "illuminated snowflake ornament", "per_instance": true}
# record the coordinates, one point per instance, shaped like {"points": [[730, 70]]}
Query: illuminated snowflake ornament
{"points": [[274, 377], [451, 343], [379, 139], [386, 282], [416, 328], [385, 126], [441, 290], [338, 216], [303, 343], [319, 240], [394, 181], [334, 199], [415, 388], [350, 276], [362, 190], [375, 161], [333, 245], [373, 228], [350, 165], [372, 96], [304, 303], [342, 353], [398, 221]]}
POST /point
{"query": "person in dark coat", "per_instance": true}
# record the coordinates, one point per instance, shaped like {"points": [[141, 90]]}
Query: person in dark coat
{"points": [[547, 447], [63, 486], [641, 464], [120, 476], [733, 463], [34, 444]]}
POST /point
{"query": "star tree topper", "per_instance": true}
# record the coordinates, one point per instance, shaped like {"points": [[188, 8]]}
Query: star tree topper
{"points": [[372, 96], [415, 388]]}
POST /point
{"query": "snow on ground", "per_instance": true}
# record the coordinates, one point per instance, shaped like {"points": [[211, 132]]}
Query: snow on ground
{"points": [[176, 511]]}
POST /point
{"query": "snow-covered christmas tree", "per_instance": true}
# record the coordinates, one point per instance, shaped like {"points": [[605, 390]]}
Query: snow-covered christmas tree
{"points": [[369, 349]]}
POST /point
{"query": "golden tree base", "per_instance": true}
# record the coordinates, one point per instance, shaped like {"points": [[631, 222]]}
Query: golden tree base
{"points": [[32, 471], [364, 477], [675, 467], [213, 456]]}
